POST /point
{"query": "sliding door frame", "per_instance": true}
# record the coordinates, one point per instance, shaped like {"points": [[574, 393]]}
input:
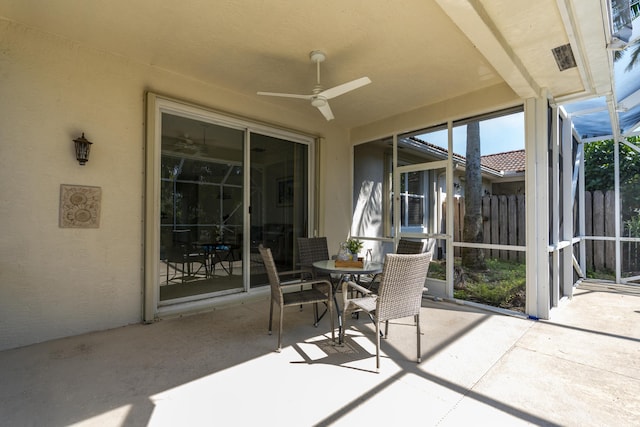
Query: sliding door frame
{"points": [[156, 105]]}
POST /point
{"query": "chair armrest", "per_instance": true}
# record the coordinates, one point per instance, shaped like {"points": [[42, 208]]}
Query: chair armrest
{"points": [[349, 284], [361, 289], [297, 284], [301, 272]]}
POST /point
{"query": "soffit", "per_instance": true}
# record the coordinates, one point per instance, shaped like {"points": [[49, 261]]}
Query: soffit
{"points": [[416, 55], [532, 31], [518, 38]]}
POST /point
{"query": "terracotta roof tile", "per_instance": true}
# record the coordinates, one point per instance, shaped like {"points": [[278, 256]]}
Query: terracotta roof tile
{"points": [[510, 161]]}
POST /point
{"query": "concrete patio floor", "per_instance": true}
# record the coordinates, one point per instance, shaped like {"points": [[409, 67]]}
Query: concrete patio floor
{"points": [[220, 369]]}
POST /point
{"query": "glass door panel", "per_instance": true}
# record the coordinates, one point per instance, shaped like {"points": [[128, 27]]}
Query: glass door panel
{"points": [[279, 203], [201, 209]]}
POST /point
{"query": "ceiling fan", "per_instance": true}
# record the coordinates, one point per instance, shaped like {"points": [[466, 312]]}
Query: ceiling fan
{"points": [[182, 143], [320, 96], [185, 139], [185, 144]]}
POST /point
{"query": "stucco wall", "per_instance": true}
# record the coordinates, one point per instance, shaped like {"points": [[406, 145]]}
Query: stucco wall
{"points": [[57, 282]]}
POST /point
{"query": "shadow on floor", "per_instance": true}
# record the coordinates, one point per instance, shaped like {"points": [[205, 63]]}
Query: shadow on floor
{"points": [[220, 367]]}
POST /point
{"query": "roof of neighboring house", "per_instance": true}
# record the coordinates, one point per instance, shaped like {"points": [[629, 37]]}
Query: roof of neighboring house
{"points": [[509, 161]]}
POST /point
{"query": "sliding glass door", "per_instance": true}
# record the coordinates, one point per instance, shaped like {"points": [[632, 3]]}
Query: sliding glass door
{"points": [[217, 187]]}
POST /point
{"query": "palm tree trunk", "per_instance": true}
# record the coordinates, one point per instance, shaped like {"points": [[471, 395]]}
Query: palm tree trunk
{"points": [[473, 258]]}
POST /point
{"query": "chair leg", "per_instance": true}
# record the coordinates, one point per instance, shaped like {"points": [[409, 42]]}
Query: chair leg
{"points": [[343, 325], [280, 330], [270, 316], [417, 317], [386, 328], [301, 289], [315, 314], [377, 346], [333, 331]]}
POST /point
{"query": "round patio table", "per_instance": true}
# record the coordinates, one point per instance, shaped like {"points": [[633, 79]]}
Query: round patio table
{"points": [[345, 273], [329, 266]]}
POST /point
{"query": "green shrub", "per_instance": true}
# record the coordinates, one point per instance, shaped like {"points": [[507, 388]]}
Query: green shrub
{"points": [[503, 285]]}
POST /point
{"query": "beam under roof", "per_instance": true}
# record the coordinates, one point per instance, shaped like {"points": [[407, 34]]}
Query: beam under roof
{"points": [[475, 23]]}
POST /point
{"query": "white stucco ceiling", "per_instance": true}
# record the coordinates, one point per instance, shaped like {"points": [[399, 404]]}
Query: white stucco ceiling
{"points": [[416, 52]]}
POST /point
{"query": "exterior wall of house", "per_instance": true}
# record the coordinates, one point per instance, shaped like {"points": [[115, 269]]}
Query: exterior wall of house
{"points": [[507, 188], [57, 282]]}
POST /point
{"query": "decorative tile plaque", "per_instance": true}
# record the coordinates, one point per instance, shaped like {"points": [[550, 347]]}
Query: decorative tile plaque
{"points": [[80, 206]]}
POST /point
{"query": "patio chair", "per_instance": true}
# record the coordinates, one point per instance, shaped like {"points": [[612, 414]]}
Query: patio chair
{"points": [[405, 247], [312, 291], [182, 256], [399, 296], [310, 250]]}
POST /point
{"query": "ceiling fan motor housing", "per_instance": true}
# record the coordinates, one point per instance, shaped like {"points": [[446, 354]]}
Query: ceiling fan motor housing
{"points": [[319, 101], [317, 56]]}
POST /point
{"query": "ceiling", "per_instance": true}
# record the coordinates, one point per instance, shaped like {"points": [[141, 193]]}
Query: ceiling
{"points": [[417, 53]]}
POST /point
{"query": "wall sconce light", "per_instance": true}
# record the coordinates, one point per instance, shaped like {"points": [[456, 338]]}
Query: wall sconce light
{"points": [[83, 146]]}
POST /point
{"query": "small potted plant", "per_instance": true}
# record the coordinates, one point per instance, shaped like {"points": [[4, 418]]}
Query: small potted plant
{"points": [[354, 246]]}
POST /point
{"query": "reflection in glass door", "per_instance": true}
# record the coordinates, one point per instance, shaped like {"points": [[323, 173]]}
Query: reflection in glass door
{"points": [[201, 209]]}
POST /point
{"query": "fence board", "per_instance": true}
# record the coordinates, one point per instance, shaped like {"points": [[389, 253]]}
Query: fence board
{"points": [[512, 228], [486, 220], [503, 224], [522, 225], [495, 232], [609, 230], [598, 229], [588, 226]]}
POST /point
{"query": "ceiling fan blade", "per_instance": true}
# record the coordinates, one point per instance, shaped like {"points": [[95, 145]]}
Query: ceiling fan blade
{"points": [[286, 95], [326, 111], [345, 87]]}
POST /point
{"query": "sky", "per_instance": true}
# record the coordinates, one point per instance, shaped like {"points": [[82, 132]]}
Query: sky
{"points": [[505, 133]]}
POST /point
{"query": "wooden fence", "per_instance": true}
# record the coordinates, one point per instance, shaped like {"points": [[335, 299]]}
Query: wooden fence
{"points": [[504, 224], [600, 221]]}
